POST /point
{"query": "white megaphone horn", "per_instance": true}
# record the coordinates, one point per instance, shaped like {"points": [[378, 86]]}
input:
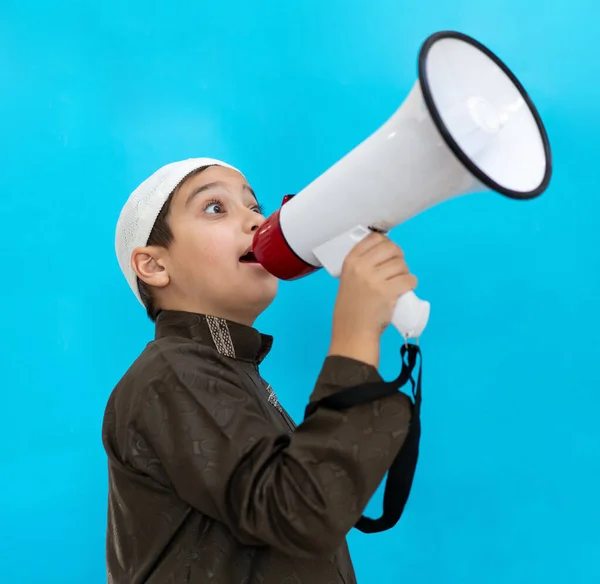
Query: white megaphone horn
{"points": [[467, 126]]}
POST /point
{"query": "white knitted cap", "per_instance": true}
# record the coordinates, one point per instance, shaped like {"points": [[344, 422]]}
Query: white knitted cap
{"points": [[139, 213]]}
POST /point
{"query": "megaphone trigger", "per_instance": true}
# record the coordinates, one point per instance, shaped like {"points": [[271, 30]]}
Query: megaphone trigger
{"points": [[411, 314], [332, 253]]}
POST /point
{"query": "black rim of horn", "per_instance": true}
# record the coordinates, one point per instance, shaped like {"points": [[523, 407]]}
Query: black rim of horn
{"points": [[453, 145]]}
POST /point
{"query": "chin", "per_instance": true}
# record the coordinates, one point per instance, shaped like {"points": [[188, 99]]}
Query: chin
{"points": [[269, 294], [263, 296]]}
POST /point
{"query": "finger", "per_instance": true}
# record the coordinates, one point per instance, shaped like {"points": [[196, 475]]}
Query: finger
{"points": [[370, 242], [392, 268], [402, 284], [384, 252]]}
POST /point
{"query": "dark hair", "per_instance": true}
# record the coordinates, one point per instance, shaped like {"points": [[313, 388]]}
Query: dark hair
{"points": [[162, 236]]}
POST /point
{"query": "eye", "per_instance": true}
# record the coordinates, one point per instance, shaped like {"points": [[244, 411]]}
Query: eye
{"points": [[214, 206], [258, 208]]}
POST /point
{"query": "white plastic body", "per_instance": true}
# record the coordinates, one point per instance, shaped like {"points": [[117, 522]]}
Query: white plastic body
{"points": [[406, 166], [399, 171], [411, 314]]}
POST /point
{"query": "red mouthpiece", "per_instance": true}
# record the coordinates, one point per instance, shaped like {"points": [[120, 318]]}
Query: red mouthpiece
{"points": [[273, 252]]}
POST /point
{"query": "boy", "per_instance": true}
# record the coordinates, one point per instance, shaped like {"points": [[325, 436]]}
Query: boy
{"points": [[209, 479]]}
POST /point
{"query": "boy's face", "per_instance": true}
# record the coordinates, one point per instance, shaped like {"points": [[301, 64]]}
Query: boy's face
{"points": [[213, 218]]}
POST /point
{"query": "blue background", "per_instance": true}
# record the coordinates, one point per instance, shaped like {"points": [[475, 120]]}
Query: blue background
{"points": [[96, 96]]}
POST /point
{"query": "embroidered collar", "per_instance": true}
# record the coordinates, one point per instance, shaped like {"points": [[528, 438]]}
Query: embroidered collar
{"points": [[229, 338]]}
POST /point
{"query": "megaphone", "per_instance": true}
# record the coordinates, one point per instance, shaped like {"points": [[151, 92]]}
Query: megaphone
{"points": [[467, 125]]}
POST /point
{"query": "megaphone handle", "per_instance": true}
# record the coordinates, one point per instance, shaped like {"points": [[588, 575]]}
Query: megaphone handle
{"points": [[411, 313]]}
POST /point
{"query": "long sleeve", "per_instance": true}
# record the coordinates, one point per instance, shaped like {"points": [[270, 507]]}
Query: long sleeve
{"points": [[199, 431]]}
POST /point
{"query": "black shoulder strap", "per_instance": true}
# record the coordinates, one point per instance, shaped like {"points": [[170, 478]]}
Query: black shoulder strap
{"points": [[402, 471]]}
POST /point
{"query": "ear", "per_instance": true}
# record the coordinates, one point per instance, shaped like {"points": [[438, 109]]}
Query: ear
{"points": [[149, 266]]}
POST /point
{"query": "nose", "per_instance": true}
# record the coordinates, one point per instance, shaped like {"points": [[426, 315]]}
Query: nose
{"points": [[252, 221]]}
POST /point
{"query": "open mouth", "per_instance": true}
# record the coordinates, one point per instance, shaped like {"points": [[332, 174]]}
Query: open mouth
{"points": [[248, 258]]}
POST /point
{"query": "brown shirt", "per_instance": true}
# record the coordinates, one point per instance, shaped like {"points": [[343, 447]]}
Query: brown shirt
{"points": [[211, 482]]}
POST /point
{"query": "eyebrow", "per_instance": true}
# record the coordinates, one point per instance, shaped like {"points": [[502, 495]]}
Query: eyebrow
{"points": [[201, 189]]}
